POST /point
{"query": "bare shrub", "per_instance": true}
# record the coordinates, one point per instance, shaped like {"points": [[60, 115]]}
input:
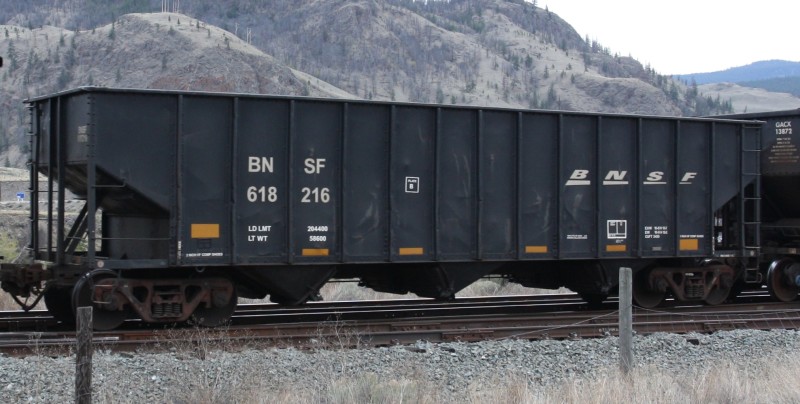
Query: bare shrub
{"points": [[201, 342]]}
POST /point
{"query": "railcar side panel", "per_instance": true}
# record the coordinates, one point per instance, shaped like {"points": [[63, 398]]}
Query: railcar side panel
{"points": [[315, 181], [204, 180], [412, 183], [141, 125], [780, 168], [365, 187], [280, 180], [498, 179], [616, 205], [781, 144], [538, 195], [578, 185], [261, 181], [726, 163], [656, 174], [456, 184], [692, 185], [73, 121]]}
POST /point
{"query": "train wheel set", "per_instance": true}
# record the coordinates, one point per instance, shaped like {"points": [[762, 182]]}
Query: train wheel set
{"points": [[192, 200]]}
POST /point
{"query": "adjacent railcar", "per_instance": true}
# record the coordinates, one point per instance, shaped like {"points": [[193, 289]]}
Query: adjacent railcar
{"points": [[194, 199], [780, 191]]}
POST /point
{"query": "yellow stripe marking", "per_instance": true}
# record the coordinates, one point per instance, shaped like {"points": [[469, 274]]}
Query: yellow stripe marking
{"points": [[210, 230], [689, 244], [535, 249], [412, 251], [616, 248], [315, 252]]}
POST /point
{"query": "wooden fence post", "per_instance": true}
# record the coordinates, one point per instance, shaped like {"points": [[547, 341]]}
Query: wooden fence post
{"points": [[83, 356], [625, 320]]}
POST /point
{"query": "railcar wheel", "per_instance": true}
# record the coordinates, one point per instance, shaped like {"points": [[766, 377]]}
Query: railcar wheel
{"points": [[83, 295], [722, 290], [780, 279], [643, 294], [59, 303], [718, 295], [217, 314]]}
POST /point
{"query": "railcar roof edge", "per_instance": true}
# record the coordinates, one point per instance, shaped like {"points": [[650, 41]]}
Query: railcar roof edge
{"points": [[89, 89], [767, 114]]}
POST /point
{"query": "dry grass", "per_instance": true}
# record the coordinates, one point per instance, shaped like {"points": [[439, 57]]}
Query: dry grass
{"points": [[215, 375], [721, 383], [762, 380], [9, 247], [367, 388], [775, 381]]}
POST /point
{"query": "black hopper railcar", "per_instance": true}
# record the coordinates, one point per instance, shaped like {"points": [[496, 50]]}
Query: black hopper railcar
{"points": [[780, 192], [194, 199]]}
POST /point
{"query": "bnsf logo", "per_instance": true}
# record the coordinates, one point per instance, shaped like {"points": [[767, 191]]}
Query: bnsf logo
{"points": [[617, 177]]}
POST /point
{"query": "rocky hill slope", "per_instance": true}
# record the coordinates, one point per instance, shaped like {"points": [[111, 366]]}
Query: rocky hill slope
{"points": [[762, 70], [749, 99], [768, 85], [161, 50], [505, 53]]}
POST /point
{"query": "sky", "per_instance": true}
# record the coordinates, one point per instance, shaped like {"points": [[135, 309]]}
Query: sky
{"points": [[688, 36]]}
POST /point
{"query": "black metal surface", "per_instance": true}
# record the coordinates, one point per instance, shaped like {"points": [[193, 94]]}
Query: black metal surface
{"points": [[258, 182], [780, 184]]}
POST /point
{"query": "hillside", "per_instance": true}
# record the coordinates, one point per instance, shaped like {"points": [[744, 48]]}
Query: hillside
{"points": [[750, 99], [758, 71], [762, 86], [789, 85], [161, 50], [475, 52]]}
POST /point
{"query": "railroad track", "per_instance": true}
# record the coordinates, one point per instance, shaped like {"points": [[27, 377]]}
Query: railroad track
{"points": [[380, 323]]}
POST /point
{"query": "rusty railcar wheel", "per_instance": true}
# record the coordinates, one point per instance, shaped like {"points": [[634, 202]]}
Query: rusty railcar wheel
{"points": [[95, 289], [219, 311], [644, 294], [718, 295], [781, 279], [721, 289]]}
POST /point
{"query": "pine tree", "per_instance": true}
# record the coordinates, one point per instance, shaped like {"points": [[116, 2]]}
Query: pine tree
{"points": [[12, 55]]}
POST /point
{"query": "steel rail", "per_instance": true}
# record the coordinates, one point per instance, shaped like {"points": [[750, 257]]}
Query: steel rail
{"points": [[446, 325]]}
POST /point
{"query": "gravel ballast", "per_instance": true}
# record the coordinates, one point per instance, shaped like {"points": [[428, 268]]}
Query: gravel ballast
{"points": [[457, 370]]}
